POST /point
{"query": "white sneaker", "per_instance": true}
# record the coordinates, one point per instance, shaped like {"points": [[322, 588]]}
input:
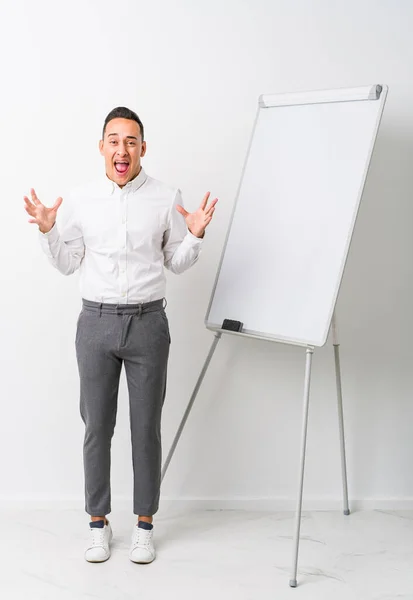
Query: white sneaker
{"points": [[142, 550], [101, 537]]}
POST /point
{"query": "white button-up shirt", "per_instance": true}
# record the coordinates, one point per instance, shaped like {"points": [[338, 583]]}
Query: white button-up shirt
{"points": [[121, 238]]}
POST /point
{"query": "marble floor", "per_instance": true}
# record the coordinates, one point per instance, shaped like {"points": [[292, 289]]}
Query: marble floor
{"points": [[211, 555]]}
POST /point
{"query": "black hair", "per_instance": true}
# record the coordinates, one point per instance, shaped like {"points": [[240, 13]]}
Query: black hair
{"points": [[121, 112]]}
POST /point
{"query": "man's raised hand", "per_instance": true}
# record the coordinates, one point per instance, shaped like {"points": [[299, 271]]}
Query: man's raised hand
{"points": [[200, 219], [43, 216]]}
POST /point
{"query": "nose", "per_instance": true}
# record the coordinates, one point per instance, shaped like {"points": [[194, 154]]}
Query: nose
{"points": [[121, 150]]}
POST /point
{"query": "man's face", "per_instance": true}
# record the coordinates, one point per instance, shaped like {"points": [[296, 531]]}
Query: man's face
{"points": [[122, 148]]}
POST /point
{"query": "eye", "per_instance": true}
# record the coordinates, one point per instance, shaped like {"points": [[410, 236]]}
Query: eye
{"points": [[112, 142], [132, 144]]}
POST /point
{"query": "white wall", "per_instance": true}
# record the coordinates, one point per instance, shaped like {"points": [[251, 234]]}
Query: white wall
{"points": [[193, 71]]}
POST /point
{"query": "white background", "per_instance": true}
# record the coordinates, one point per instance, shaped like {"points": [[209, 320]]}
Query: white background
{"points": [[193, 71]]}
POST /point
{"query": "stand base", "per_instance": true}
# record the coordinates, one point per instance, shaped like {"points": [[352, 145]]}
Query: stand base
{"points": [[293, 583], [346, 512]]}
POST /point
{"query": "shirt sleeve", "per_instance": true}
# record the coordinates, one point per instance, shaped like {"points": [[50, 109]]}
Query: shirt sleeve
{"points": [[63, 244], [181, 248]]}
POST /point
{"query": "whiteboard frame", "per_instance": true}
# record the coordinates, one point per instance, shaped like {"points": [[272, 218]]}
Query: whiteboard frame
{"points": [[371, 93]]}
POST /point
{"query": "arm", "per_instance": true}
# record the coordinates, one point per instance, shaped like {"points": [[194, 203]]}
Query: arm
{"points": [[181, 248], [63, 244]]}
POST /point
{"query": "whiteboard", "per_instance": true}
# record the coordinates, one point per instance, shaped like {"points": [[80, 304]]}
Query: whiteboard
{"points": [[295, 212]]}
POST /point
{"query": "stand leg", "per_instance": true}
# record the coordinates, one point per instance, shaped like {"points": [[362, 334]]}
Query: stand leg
{"points": [[309, 356], [340, 416], [217, 337]]}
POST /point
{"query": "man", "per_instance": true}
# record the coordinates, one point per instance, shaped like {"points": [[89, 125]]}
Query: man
{"points": [[120, 232]]}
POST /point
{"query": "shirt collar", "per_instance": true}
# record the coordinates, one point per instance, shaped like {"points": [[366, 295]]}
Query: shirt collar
{"points": [[132, 185]]}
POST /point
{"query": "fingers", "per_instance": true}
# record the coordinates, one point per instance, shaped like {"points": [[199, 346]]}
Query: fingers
{"points": [[29, 205], [28, 202], [34, 197], [30, 209], [203, 206], [209, 217], [211, 207], [181, 210], [57, 203], [205, 200]]}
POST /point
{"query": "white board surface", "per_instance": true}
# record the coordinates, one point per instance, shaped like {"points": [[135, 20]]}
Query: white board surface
{"points": [[293, 219]]}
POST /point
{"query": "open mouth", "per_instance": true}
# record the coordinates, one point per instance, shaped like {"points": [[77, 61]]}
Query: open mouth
{"points": [[121, 167]]}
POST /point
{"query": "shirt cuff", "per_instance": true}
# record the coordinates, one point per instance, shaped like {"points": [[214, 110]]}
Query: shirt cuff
{"points": [[51, 236], [192, 239]]}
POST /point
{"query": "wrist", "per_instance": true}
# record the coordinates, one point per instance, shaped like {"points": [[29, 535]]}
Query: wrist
{"points": [[44, 230], [198, 234]]}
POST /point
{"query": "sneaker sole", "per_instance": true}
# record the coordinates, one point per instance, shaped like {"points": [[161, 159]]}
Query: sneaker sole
{"points": [[142, 562], [97, 561]]}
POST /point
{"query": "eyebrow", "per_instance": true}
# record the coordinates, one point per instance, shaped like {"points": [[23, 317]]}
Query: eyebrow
{"points": [[131, 137]]}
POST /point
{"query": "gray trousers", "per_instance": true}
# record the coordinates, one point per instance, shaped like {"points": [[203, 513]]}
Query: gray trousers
{"points": [[108, 335]]}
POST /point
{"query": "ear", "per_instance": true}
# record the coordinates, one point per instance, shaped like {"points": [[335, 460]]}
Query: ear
{"points": [[143, 151], [101, 147]]}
